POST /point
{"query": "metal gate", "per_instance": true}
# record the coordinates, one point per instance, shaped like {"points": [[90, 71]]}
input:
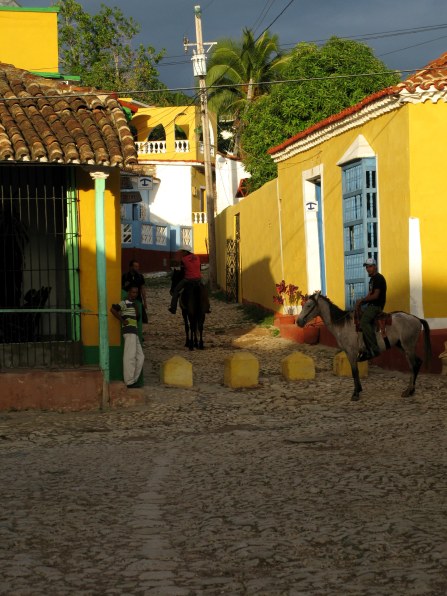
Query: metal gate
{"points": [[232, 271], [39, 267], [232, 264]]}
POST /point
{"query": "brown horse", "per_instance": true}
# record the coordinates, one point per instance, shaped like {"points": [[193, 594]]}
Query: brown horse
{"points": [[403, 333], [192, 303]]}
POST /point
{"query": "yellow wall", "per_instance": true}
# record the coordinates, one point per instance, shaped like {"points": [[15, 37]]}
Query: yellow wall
{"points": [[28, 38], [259, 245], [388, 137], [186, 117], [428, 131], [200, 232], [87, 253]]}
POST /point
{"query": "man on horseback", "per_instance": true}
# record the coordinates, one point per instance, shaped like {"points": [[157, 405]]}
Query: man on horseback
{"points": [[190, 263], [375, 303]]}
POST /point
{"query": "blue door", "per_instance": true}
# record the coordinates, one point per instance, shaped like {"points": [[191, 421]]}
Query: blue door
{"points": [[360, 225]]}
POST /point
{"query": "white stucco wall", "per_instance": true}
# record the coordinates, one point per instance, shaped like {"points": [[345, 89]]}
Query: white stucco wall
{"points": [[170, 200], [229, 172]]}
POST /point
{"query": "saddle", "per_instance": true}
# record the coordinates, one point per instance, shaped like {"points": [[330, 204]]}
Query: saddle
{"points": [[382, 321]]}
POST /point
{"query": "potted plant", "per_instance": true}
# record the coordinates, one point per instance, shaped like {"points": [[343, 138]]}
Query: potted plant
{"points": [[289, 297]]}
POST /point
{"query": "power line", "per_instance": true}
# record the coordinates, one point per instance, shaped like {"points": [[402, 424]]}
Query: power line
{"points": [[276, 18], [127, 92], [414, 46]]}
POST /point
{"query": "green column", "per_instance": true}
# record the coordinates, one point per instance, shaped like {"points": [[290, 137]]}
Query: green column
{"points": [[71, 250], [101, 278]]}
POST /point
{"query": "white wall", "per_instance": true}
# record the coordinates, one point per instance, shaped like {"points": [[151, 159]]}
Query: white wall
{"points": [[229, 173], [170, 200]]}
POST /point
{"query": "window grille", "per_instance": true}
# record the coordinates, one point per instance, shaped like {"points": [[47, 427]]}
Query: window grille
{"points": [[147, 234], [126, 233], [186, 236], [40, 306], [161, 235], [143, 212]]}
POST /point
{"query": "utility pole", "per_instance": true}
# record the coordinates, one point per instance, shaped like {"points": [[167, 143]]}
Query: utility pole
{"points": [[199, 68]]}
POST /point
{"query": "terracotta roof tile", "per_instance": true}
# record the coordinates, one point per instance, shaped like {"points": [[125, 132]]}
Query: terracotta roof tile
{"points": [[50, 121]]}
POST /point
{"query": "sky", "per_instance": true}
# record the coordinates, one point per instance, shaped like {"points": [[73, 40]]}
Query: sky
{"points": [[164, 24]]}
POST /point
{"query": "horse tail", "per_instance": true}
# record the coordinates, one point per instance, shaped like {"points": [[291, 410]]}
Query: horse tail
{"points": [[427, 342]]}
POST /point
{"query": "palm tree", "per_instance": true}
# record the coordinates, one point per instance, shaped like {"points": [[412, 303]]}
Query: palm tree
{"points": [[246, 68]]}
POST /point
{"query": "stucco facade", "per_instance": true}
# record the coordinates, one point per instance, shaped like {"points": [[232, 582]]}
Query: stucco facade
{"points": [[295, 228], [29, 38]]}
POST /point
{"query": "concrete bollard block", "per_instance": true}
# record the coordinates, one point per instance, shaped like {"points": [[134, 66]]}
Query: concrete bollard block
{"points": [[241, 370], [297, 366], [176, 371], [342, 368]]}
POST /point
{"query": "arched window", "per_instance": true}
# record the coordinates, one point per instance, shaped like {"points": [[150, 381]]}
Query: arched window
{"points": [[157, 134]]}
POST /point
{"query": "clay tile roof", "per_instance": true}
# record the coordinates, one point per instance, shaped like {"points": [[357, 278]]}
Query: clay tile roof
{"points": [[435, 73], [49, 121]]}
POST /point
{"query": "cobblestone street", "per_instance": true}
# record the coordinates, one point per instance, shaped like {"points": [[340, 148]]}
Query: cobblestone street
{"points": [[285, 489]]}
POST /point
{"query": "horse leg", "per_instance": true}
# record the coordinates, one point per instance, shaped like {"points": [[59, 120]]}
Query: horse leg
{"points": [[357, 385], [415, 364]]}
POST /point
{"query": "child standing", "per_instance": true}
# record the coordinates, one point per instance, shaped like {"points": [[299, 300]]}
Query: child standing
{"points": [[127, 312]]}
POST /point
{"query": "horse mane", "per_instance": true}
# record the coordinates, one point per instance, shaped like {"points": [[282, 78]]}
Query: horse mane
{"points": [[338, 315]]}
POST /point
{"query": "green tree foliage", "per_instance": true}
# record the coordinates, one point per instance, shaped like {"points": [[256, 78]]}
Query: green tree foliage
{"points": [[98, 48], [292, 107]]}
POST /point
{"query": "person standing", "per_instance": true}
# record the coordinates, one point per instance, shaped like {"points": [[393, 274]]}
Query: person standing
{"points": [[128, 312], [134, 278], [374, 303]]}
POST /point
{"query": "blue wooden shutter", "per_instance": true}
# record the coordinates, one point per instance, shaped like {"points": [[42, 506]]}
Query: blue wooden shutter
{"points": [[360, 225]]}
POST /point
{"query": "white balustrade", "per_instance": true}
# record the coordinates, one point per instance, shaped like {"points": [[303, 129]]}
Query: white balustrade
{"points": [[150, 147], [202, 148], [199, 217], [181, 146]]}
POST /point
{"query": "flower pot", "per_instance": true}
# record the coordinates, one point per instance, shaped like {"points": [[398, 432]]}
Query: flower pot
{"points": [[311, 334], [279, 319]]}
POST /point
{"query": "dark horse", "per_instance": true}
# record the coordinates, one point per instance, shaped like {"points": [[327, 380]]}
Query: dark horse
{"points": [[193, 309], [403, 332]]}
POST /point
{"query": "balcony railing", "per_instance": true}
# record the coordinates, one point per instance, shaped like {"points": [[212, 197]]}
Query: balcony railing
{"points": [[202, 148], [157, 147], [148, 147], [199, 217], [181, 146]]}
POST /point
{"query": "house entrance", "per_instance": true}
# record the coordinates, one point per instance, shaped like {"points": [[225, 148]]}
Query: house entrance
{"points": [[39, 267]]}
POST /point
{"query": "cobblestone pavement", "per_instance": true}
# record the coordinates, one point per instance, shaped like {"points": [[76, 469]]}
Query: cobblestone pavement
{"points": [[286, 489]]}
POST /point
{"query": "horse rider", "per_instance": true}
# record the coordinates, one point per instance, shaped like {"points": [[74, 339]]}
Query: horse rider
{"points": [[375, 303], [190, 263]]}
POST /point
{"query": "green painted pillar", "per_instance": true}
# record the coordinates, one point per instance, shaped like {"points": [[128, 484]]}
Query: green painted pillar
{"points": [[101, 278]]}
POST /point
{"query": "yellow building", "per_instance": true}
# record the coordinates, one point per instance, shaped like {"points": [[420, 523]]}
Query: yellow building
{"points": [[60, 266], [29, 38], [170, 141], [365, 182]]}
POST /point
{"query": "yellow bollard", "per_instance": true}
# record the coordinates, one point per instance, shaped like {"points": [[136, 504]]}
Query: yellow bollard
{"points": [[342, 368], [297, 366], [241, 370], [177, 372]]}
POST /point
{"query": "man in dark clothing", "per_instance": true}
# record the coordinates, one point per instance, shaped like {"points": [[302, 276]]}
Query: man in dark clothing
{"points": [[375, 303], [133, 278]]}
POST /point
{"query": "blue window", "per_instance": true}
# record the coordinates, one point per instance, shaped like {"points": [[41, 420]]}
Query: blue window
{"points": [[360, 224]]}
